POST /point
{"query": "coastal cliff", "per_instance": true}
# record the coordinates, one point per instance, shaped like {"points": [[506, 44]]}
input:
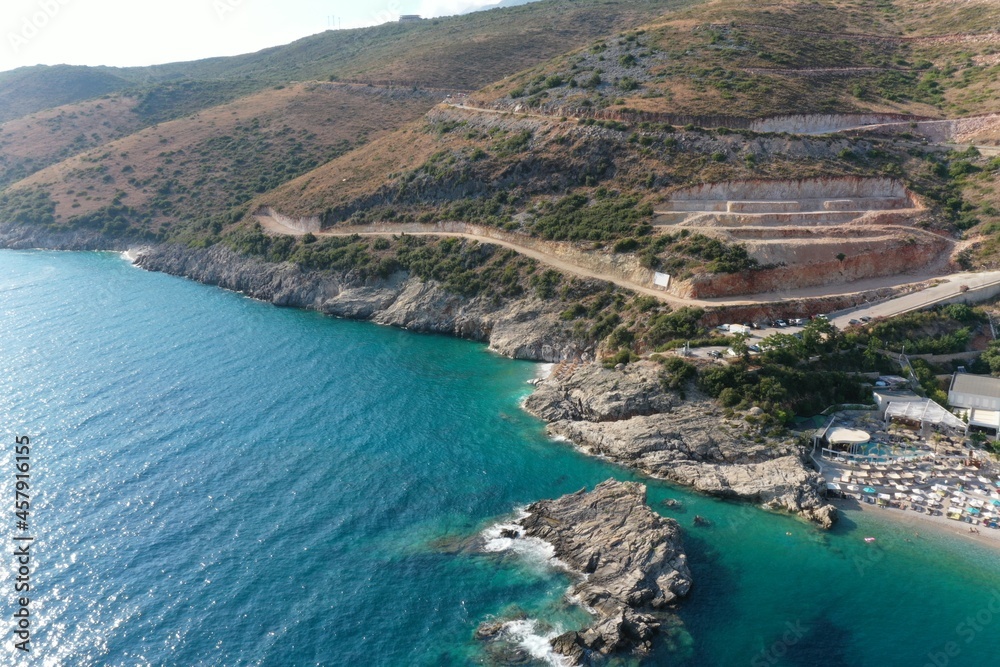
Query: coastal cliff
{"points": [[624, 414], [630, 562], [524, 328]]}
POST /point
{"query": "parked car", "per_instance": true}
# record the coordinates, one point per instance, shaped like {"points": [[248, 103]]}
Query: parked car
{"points": [[780, 324], [866, 319], [854, 323]]}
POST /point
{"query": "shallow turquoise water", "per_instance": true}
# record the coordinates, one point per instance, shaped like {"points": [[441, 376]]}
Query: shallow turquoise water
{"points": [[221, 482]]}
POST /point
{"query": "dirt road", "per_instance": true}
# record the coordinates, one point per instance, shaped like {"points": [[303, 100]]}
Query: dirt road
{"points": [[947, 286]]}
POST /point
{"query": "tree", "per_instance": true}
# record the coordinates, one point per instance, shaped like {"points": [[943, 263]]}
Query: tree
{"points": [[740, 346], [872, 355], [819, 335], [785, 349], [992, 357]]}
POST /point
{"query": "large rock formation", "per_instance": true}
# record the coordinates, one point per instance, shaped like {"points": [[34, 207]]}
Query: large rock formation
{"points": [[625, 415], [631, 560]]}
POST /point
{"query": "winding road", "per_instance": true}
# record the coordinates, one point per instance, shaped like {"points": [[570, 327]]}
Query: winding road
{"points": [[945, 287]]}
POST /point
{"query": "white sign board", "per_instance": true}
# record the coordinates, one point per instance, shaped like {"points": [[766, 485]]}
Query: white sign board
{"points": [[661, 279]]}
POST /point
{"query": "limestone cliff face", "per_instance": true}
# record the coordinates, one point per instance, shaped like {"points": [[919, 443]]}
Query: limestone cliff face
{"points": [[527, 328]]}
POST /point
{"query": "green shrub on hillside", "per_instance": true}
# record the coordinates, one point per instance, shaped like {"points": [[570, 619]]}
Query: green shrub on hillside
{"points": [[578, 218]]}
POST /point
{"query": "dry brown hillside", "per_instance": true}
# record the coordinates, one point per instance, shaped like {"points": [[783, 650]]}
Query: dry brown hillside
{"points": [[34, 142], [754, 60], [214, 161]]}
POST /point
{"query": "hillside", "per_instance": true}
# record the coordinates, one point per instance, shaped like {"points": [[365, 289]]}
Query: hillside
{"points": [[749, 60], [202, 169], [464, 51], [467, 51], [30, 89], [36, 141], [688, 138]]}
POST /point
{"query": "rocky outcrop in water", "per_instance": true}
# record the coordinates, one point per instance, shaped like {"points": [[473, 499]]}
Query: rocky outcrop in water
{"points": [[631, 559], [625, 415]]}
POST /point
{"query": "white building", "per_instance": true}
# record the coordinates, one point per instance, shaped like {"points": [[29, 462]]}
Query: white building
{"points": [[883, 397], [978, 398]]}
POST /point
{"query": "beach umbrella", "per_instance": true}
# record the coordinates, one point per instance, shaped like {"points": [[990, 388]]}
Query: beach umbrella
{"points": [[995, 502], [972, 510], [868, 489]]}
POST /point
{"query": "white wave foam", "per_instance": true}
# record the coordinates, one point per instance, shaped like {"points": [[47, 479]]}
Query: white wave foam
{"points": [[525, 634], [132, 254], [544, 371], [532, 549]]}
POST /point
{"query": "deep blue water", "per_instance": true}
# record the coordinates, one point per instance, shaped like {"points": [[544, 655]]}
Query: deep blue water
{"points": [[216, 481]]}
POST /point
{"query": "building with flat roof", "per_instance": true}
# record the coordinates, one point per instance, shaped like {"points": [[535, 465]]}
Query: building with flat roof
{"points": [[883, 397], [409, 18], [977, 398], [974, 391]]}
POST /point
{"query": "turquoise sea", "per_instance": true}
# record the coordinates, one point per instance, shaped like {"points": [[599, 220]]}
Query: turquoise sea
{"points": [[216, 481]]}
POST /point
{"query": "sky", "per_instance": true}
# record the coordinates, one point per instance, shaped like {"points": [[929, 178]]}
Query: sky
{"points": [[144, 32]]}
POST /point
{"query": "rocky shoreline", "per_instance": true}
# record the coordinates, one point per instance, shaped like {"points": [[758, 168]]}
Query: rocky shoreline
{"points": [[630, 564], [624, 415]]}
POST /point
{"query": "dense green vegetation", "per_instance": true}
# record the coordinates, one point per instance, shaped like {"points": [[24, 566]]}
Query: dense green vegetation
{"points": [[27, 207], [577, 218], [942, 330], [789, 378]]}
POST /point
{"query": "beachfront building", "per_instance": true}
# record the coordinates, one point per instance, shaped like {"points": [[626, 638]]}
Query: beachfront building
{"points": [[410, 18], [925, 414], [883, 397], [977, 399]]}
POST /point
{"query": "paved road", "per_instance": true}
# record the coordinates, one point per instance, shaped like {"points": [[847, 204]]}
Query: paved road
{"points": [[947, 288]]}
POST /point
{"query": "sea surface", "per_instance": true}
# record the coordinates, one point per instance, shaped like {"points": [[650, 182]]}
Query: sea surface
{"points": [[216, 481]]}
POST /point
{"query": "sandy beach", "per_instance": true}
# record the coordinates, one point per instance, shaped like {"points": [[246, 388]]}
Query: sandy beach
{"points": [[920, 523]]}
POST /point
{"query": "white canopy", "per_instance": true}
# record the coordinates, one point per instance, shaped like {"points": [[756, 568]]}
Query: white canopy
{"points": [[924, 411], [847, 436]]}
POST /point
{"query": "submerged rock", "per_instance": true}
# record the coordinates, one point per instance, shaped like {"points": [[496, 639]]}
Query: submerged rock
{"points": [[632, 558]]}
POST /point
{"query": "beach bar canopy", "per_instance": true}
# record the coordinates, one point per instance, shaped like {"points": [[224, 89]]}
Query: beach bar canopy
{"points": [[924, 412], [847, 436]]}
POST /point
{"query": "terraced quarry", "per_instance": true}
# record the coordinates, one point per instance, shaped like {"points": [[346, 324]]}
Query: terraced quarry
{"points": [[807, 232]]}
